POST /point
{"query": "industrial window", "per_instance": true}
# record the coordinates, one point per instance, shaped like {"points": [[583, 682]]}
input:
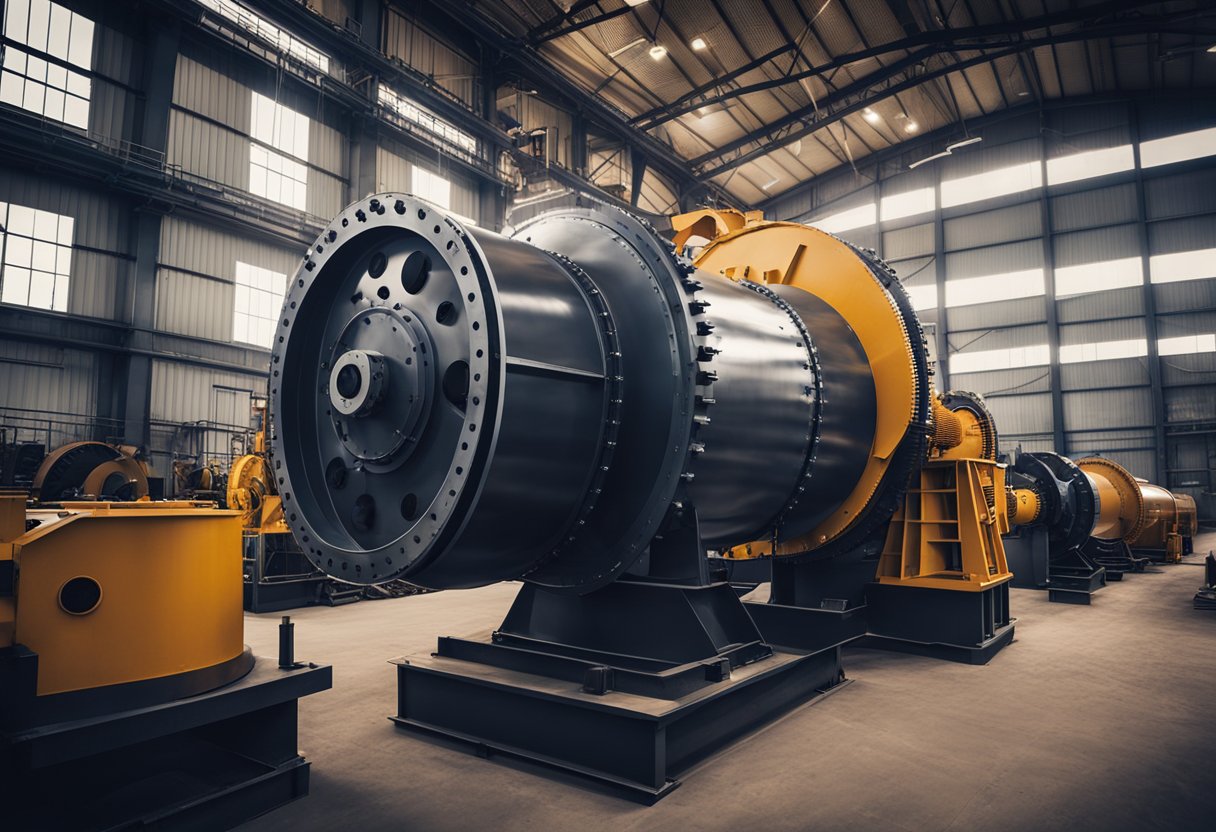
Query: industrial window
{"points": [[848, 219], [259, 296], [1187, 344], [907, 204], [40, 79], [922, 297], [1103, 350], [1028, 283], [283, 41], [1089, 164], [36, 254], [411, 112], [994, 183], [1004, 359], [431, 186], [1182, 265], [1179, 148], [1099, 277], [274, 174]]}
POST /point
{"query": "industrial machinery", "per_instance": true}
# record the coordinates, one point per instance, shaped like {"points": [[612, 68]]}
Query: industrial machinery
{"points": [[582, 409], [91, 470], [127, 695], [1078, 524], [910, 539], [277, 574]]}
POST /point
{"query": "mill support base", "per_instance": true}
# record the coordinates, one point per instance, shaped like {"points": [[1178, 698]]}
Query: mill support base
{"points": [[210, 761], [1115, 556], [1069, 577], [968, 627], [627, 687]]}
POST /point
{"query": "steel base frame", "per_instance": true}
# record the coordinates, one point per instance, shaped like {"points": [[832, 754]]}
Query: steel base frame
{"points": [[967, 627], [210, 761], [1069, 577], [626, 687], [1115, 556]]}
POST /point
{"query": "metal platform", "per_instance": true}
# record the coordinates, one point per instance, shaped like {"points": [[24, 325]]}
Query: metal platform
{"points": [[210, 761], [625, 688], [967, 627]]}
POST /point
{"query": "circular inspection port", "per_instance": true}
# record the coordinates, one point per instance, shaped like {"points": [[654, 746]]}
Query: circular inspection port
{"points": [[80, 595]]}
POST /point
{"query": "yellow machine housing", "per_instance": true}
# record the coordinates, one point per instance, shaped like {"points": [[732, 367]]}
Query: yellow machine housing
{"points": [[1145, 516], [118, 593]]}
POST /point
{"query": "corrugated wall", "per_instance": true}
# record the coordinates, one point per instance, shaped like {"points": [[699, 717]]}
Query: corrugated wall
{"points": [[422, 50], [394, 172], [195, 274], [49, 392], [1107, 405]]}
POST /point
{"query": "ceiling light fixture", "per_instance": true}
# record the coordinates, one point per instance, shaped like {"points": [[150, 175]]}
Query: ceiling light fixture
{"points": [[796, 147], [658, 52], [911, 127], [1212, 48], [920, 162], [698, 44], [950, 148], [770, 184], [621, 49], [870, 116], [636, 2]]}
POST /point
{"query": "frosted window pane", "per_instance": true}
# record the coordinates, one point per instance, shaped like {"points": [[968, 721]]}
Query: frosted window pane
{"points": [[1099, 277], [923, 297], [1179, 148], [61, 27], [847, 220], [16, 286], [908, 204], [42, 290], [1103, 350], [1022, 284], [19, 252], [80, 50], [1182, 265], [1187, 344], [1011, 358], [991, 184], [1091, 163]]}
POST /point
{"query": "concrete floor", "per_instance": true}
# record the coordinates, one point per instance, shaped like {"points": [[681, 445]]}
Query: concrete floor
{"points": [[1100, 717]]}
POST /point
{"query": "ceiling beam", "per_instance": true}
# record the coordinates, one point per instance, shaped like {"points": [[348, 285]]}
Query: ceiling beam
{"points": [[938, 39], [894, 79]]}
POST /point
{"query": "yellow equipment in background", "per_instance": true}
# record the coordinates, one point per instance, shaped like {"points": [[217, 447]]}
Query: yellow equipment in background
{"points": [[251, 490], [931, 482], [1150, 519], [122, 654]]}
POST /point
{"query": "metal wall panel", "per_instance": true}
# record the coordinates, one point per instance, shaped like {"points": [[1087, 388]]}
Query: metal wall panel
{"points": [[986, 157], [212, 93], [1131, 407], [194, 292], [918, 271], [1096, 245], [394, 172], [1099, 305], [1010, 257], [1025, 413], [1015, 222], [998, 338], [982, 316], [1119, 372], [1187, 294], [1193, 192], [41, 383], [327, 195], [1190, 404], [1093, 208], [913, 241], [1098, 331], [1186, 234], [206, 150], [185, 392], [415, 47]]}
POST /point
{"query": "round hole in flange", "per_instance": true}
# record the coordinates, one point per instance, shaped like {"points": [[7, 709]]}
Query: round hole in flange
{"points": [[383, 292], [456, 383], [80, 596], [446, 313], [335, 473], [350, 380], [414, 272], [409, 507], [363, 515], [377, 264]]}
